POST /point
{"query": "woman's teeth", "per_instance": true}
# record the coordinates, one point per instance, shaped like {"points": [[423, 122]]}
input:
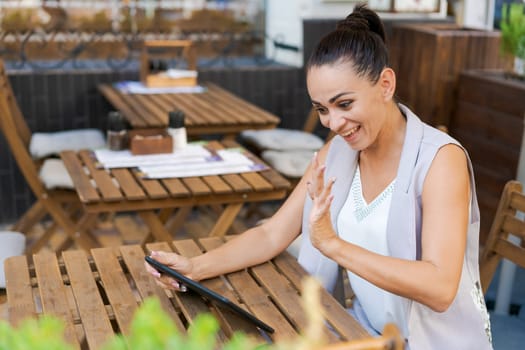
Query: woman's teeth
{"points": [[351, 131]]}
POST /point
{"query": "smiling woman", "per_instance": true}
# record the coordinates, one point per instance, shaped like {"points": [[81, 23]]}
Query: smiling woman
{"points": [[373, 203]]}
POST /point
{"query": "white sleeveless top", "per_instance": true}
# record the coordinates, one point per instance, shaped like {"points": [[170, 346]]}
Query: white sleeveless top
{"points": [[364, 224]]}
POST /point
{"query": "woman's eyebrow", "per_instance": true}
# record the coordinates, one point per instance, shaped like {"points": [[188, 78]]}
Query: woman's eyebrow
{"points": [[332, 100]]}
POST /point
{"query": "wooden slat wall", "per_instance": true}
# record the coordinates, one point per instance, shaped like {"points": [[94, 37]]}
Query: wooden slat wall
{"points": [[428, 59], [488, 122]]}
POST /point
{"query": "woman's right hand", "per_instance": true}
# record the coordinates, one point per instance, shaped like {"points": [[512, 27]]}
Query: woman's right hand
{"points": [[174, 261]]}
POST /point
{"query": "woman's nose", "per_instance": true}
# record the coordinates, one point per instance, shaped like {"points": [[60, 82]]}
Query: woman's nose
{"points": [[335, 122]]}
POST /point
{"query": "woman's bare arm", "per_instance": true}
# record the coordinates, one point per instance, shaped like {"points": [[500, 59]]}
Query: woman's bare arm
{"points": [[434, 280]]}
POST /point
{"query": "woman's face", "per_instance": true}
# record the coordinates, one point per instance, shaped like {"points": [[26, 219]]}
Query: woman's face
{"points": [[349, 105]]}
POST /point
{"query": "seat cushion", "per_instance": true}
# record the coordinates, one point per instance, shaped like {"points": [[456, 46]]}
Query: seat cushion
{"points": [[292, 164], [282, 139], [54, 174], [51, 143], [11, 244]]}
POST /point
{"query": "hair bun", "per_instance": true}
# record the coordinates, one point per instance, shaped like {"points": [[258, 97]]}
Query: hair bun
{"points": [[362, 19]]}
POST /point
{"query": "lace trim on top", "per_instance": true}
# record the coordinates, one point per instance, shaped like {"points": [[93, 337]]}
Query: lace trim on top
{"points": [[362, 210]]}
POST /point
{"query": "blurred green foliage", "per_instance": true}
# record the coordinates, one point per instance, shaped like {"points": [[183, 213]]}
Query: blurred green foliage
{"points": [[513, 29]]}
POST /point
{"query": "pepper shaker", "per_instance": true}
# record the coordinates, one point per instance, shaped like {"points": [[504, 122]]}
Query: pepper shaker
{"points": [[177, 130], [117, 133]]}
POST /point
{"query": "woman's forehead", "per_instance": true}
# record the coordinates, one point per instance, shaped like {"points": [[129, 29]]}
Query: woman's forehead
{"points": [[328, 80]]}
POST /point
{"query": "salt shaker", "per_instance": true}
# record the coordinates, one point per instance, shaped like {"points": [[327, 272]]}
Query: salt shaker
{"points": [[177, 129], [117, 134]]}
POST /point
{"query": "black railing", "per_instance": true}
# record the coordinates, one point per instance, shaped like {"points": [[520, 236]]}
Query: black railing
{"points": [[39, 50]]}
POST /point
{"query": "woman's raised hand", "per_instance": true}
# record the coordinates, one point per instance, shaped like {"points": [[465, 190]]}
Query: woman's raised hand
{"points": [[320, 193], [174, 261]]}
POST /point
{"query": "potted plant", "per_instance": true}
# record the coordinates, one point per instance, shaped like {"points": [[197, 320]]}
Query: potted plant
{"points": [[513, 34]]}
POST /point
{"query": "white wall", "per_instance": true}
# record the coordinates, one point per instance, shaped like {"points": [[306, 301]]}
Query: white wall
{"points": [[284, 23]]}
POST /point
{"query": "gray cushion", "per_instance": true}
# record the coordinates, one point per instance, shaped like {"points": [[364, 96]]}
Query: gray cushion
{"points": [[282, 139], [54, 174], [46, 144], [289, 163]]}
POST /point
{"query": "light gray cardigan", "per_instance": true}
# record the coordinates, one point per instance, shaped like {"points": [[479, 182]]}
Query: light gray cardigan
{"points": [[465, 324]]}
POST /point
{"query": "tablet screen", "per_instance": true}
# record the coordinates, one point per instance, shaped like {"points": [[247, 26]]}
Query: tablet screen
{"points": [[208, 293]]}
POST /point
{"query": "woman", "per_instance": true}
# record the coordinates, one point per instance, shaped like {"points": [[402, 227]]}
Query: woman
{"points": [[389, 199]]}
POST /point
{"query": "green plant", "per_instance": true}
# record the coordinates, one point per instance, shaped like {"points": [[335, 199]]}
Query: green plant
{"points": [[513, 29], [45, 333]]}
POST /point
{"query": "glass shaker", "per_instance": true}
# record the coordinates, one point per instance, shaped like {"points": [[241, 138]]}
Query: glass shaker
{"points": [[177, 130], [117, 133]]}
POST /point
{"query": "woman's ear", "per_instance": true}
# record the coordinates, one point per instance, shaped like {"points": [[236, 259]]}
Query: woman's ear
{"points": [[387, 81]]}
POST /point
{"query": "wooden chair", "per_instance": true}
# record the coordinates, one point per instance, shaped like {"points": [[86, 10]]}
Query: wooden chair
{"points": [[61, 205], [502, 243], [499, 243], [391, 339]]}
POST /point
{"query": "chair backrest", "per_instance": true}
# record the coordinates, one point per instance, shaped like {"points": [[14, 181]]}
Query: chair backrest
{"points": [[17, 133], [18, 118], [507, 228], [391, 339]]}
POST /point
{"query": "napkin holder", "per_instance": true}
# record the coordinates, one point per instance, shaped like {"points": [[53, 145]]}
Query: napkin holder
{"points": [[158, 75], [150, 141]]}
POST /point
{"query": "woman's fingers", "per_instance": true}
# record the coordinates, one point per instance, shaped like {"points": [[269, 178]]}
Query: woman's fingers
{"points": [[315, 185], [172, 260]]}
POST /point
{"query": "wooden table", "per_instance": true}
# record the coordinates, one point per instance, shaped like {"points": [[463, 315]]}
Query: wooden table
{"points": [[96, 294], [122, 190], [215, 111]]}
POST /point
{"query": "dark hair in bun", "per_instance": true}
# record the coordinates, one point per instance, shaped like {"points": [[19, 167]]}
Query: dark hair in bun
{"points": [[360, 39]]}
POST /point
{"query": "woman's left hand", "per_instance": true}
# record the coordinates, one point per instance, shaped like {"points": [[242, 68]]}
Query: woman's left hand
{"points": [[320, 223]]}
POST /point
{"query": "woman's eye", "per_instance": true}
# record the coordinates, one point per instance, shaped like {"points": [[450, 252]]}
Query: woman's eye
{"points": [[345, 104], [321, 110]]}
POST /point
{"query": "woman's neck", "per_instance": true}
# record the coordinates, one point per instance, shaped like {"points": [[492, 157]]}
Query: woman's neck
{"points": [[389, 143]]}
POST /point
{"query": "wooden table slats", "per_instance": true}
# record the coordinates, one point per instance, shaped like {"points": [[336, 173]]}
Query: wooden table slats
{"points": [[176, 187], [97, 294], [237, 183], [118, 101], [189, 248], [129, 186], [217, 184], [285, 296], [153, 188], [258, 302], [116, 287], [133, 257], [246, 107], [20, 292], [191, 304], [53, 293], [92, 311], [258, 182], [197, 106], [85, 189], [215, 111], [349, 328], [152, 109], [197, 186]]}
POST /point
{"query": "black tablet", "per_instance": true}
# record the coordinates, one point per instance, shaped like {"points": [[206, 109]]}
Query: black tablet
{"points": [[208, 293]]}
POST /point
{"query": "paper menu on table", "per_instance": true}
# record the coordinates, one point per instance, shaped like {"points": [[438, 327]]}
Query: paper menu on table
{"points": [[193, 160], [125, 159]]}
